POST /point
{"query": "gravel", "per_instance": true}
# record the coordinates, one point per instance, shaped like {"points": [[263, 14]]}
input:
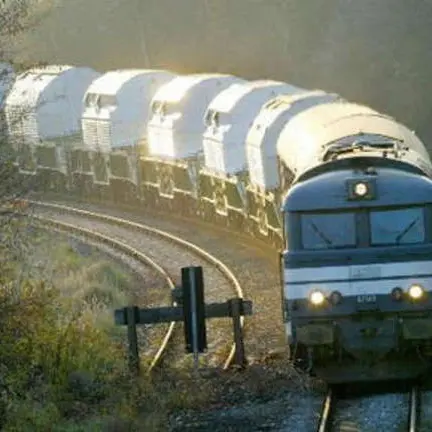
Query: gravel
{"points": [[282, 414], [385, 412], [426, 411]]}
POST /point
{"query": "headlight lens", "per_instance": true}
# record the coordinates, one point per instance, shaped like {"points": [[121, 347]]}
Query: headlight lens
{"points": [[397, 293], [336, 297], [317, 298], [416, 291], [361, 189]]}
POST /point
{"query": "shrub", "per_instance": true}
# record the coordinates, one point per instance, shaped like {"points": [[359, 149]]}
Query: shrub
{"points": [[56, 361]]}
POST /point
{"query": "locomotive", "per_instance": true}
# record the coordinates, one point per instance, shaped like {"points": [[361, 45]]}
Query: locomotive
{"points": [[343, 190], [357, 270]]}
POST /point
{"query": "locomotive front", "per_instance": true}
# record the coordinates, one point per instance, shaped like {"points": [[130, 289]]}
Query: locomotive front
{"points": [[358, 266]]}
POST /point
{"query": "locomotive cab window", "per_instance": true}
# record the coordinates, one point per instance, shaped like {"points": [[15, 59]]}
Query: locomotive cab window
{"points": [[328, 230], [397, 226]]}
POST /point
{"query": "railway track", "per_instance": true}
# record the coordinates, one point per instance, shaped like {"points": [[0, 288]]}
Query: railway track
{"points": [[328, 412], [255, 265], [54, 210]]}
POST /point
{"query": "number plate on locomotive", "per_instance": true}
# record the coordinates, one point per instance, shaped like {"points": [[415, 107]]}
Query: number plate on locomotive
{"points": [[366, 298]]}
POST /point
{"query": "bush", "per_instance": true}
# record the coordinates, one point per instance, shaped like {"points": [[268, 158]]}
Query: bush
{"points": [[52, 353], [58, 365]]}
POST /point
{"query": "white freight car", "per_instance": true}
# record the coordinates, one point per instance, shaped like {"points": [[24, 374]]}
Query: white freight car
{"points": [[262, 137], [43, 116], [114, 121], [228, 119], [176, 125]]}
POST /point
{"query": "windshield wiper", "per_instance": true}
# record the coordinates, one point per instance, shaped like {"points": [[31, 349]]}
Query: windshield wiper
{"points": [[323, 237], [405, 231]]}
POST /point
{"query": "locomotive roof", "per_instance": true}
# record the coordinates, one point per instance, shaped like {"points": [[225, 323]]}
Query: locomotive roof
{"points": [[112, 82], [177, 88], [328, 191]]}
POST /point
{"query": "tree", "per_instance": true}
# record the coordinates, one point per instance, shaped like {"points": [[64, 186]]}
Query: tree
{"points": [[16, 16]]}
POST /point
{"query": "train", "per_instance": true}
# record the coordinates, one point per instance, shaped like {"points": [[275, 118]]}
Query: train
{"points": [[342, 192]]}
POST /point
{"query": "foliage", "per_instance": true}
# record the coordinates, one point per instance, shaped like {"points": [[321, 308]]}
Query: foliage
{"points": [[54, 358], [16, 16]]}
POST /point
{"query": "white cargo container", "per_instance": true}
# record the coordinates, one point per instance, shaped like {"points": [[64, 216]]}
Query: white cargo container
{"points": [[306, 141], [43, 112], [262, 137], [46, 103], [228, 119], [116, 108], [176, 125]]}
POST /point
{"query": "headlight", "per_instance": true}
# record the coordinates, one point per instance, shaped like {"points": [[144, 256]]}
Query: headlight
{"points": [[316, 298], [416, 291], [361, 189], [336, 297], [397, 293]]}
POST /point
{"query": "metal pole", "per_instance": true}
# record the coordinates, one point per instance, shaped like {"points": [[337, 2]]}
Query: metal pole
{"points": [[236, 308], [194, 319], [132, 338]]}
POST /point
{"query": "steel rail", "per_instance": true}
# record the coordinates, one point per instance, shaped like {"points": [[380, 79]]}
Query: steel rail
{"points": [[414, 408], [326, 412]]}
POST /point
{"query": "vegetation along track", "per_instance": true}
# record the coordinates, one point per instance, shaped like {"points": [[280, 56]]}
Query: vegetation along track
{"points": [[174, 252], [328, 421]]}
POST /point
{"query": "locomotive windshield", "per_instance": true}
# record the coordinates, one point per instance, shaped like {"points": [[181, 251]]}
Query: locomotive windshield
{"points": [[400, 226], [383, 227], [332, 230]]}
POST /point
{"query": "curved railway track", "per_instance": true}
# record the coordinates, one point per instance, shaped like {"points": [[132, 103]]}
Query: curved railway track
{"points": [[255, 264], [55, 211], [327, 421]]}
